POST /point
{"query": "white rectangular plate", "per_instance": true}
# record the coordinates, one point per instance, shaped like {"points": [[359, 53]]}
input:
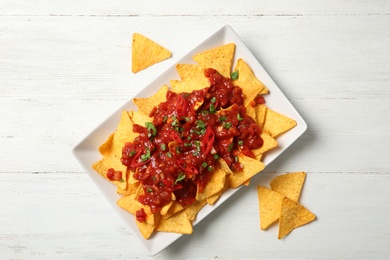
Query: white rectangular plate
{"points": [[86, 152]]}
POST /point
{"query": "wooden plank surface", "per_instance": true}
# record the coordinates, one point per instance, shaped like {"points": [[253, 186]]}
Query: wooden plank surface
{"points": [[65, 67]]}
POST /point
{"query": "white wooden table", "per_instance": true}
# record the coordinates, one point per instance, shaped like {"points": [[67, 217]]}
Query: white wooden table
{"points": [[65, 67]]}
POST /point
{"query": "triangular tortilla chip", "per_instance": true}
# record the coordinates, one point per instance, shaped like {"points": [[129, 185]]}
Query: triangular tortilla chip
{"points": [[146, 105], [178, 223], [146, 53], [132, 205], [219, 58], [268, 143], [261, 111], [214, 185], [293, 215], [251, 168], [290, 184], [270, 204], [108, 162], [276, 124], [193, 210], [247, 80], [139, 118]]}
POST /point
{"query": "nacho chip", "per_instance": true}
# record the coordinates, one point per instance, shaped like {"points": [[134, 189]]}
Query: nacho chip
{"points": [[276, 124], [146, 229], [219, 58], [132, 205], [139, 118], [270, 203], [293, 215], [268, 143], [251, 168], [247, 80], [261, 111], [251, 111], [214, 185], [193, 210], [146, 53], [106, 163], [290, 184], [175, 208], [178, 223], [146, 105]]}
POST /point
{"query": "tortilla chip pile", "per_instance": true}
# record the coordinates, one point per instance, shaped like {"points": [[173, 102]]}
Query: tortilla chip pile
{"points": [[281, 203], [173, 217]]}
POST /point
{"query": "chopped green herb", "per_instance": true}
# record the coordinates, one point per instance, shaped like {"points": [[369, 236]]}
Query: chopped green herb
{"points": [[227, 125], [210, 168], [163, 147], [212, 109], [222, 118], [230, 147], [180, 177], [204, 165], [236, 158], [152, 131], [197, 143], [239, 117], [204, 112], [131, 153], [200, 124], [240, 142], [173, 118], [149, 190], [216, 156], [234, 75], [169, 154], [146, 156], [213, 100], [178, 149], [165, 118], [187, 144]]}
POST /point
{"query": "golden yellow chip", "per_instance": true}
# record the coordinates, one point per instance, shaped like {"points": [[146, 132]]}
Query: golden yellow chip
{"points": [[131, 188], [276, 124], [290, 184], [178, 223], [268, 143], [175, 208], [293, 215], [251, 168], [192, 72], [261, 111], [194, 209], [219, 58], [270, 204], [106, 147], [106, 163], [251, 111], [146, 229], [146, 105], [187, 86], [251, 86], [146, 53], [124, 133], [139, 118], [132, 205], [214, 185]]}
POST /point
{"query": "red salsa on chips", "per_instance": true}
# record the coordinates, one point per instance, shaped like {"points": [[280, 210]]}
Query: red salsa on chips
{"points": [[175, 155]]}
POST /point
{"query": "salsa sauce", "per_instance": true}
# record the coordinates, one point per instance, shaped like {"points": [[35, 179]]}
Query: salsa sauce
{"points": [[176, 154]]}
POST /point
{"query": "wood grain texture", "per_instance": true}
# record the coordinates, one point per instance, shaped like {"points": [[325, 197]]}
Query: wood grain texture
{"points": [[65, 67]]}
